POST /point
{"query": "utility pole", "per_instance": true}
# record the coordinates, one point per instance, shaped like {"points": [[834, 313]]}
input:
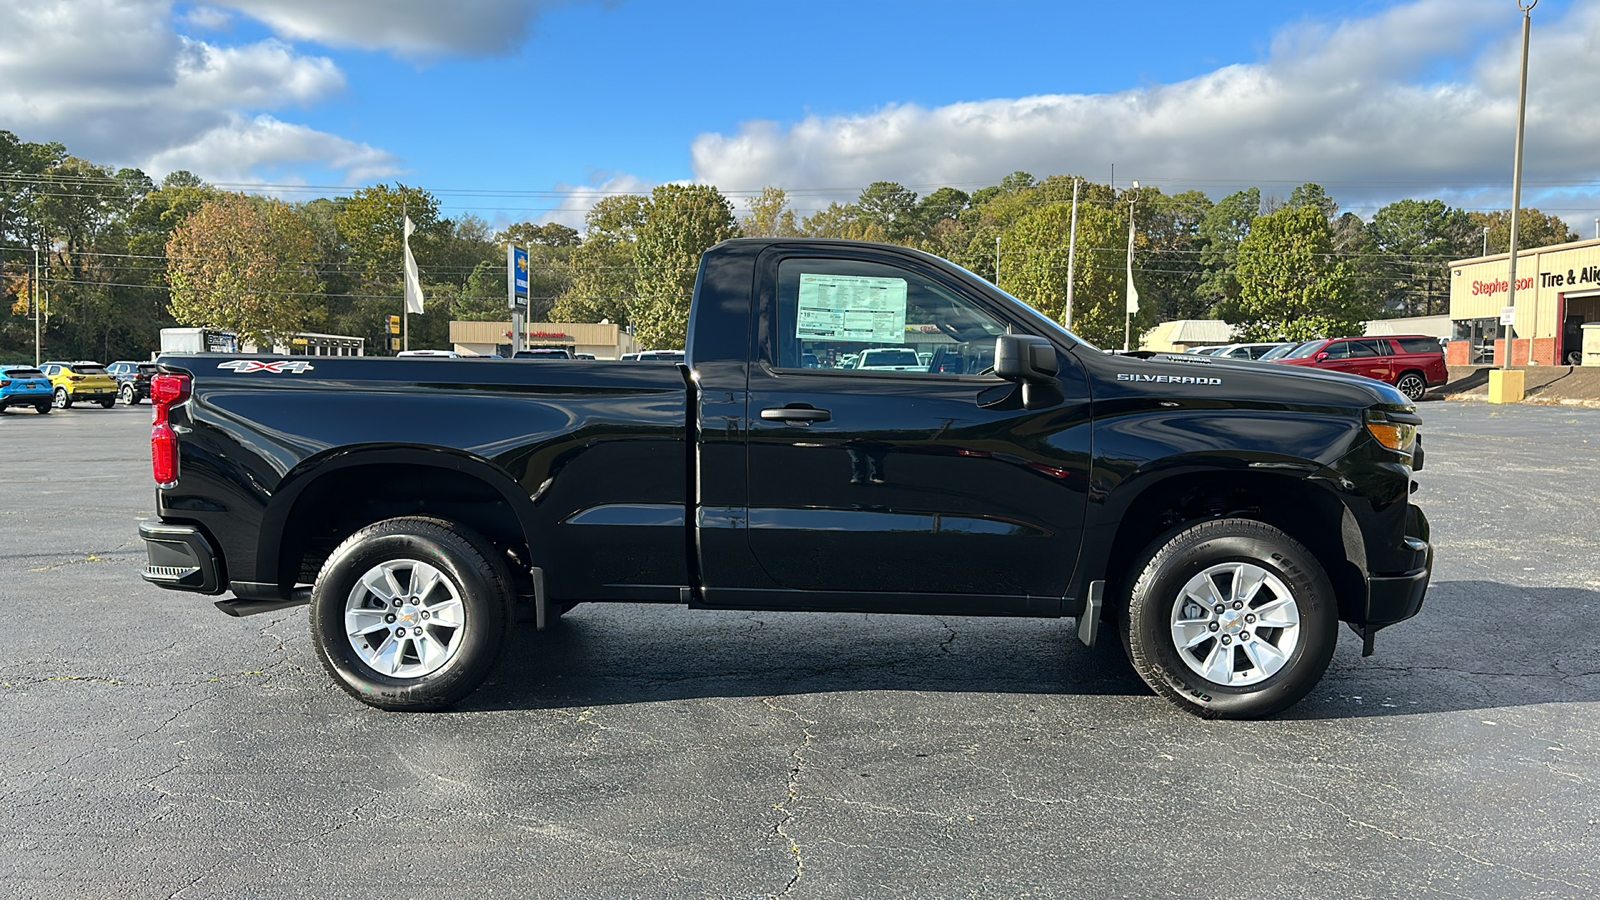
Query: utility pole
{"points": [[1072, 250], [997, 259]]}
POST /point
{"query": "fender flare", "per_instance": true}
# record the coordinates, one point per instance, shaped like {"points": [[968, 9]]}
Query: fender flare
{"points": [[310, 471]]}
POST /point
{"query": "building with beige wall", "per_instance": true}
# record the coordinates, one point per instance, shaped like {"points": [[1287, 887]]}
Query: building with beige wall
{"points": [[603, 341], [1558, 291]]}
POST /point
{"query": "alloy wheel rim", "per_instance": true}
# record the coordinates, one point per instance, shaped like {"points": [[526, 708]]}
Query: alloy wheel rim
{"points": [[404, 618], [1411, 386], [1235, 624]]}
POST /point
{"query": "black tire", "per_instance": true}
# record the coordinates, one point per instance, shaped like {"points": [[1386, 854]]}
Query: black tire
{"points": [[473, 572], [62, 399], [129, 396], [44, 409], [108, 403], [1149, 628], [1412, 384]]}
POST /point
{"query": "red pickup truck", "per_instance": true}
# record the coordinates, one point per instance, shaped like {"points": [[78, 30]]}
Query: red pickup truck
{"points": [[1412, 363]]}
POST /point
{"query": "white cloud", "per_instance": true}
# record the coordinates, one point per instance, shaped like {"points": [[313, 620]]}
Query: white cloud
{"points": [[114, 82], [1358, 107], [412, 28], [239, 149], [208, 18], [574, 201]]}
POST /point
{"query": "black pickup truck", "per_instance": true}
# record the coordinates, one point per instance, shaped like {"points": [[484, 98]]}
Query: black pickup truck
{"points": [[1224, 516]]}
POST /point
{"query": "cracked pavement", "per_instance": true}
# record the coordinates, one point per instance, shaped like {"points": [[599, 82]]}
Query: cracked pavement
{"points": [[156, 748]]}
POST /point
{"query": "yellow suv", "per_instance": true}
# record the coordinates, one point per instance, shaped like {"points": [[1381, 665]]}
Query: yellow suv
{"points": [[81, 380]]}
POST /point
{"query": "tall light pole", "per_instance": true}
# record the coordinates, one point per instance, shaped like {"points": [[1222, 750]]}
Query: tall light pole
{"points": [[1486, 239], [1516, 185], [997, 259]]}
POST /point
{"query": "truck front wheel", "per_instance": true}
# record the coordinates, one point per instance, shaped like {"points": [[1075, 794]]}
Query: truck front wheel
{"points": [[410, 613], [1230, 619]]}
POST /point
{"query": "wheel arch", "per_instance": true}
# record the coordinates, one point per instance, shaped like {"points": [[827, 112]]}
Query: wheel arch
{"points": [[1302, 506], [325, 499]]}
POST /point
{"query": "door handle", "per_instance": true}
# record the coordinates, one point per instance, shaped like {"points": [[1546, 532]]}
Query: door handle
{"points": [[799, 413]]}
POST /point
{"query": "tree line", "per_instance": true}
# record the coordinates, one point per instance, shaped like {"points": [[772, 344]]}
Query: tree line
{"points": [[124, 256]]}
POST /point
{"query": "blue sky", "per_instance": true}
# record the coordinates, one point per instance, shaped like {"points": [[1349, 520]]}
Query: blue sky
{"points": [[524, 109]]}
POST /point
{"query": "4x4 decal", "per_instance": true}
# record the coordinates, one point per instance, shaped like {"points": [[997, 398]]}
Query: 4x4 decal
{"points": [[250, 366]]}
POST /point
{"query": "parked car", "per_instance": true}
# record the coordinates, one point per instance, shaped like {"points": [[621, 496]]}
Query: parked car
{"points": [[1413, 363], [24, 386], [133, 379], [436, 354], [661, 356], [890, 359], [542, 353], [1250, 351], [81, 380], [1281, 350]]}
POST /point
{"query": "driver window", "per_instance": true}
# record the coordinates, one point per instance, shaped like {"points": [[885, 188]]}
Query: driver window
{"points": [[851, 315]]}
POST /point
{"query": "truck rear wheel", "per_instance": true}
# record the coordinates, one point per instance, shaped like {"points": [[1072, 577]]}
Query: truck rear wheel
{"points": [[1230, 619], [411, 613]]}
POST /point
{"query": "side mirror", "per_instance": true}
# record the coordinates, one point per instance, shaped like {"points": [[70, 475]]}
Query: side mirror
{"points": [[1031, 362], [1025, 359], [1321, 356]]}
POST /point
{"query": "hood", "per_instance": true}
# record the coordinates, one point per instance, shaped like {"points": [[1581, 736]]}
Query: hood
{"points": [[1205, 377]]}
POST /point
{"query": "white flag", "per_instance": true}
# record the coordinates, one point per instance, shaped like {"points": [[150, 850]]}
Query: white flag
{"points": [[1133, 292], [413, 283]]}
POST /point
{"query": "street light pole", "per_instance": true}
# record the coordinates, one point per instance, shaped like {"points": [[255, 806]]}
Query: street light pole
{"points": [[1516, 184]]}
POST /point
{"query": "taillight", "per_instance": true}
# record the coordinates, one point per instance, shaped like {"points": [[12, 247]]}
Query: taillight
{"points": [[166, 391], [74, 377], [5, 383]]}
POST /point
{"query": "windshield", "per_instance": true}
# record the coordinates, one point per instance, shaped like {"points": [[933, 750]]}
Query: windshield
{"points": [[89, 370], [22, 373], [1304, 350], [1279, 352]]}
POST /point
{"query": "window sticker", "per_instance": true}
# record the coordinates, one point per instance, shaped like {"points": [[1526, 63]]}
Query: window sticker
{"points": [[851, 308]]}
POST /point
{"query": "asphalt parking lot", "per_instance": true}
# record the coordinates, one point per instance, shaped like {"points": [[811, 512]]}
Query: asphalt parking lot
{"points": [[156, 748]]}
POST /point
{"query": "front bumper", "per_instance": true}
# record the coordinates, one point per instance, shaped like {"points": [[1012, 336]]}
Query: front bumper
{"points": [[180, 558], [1394, 598]]}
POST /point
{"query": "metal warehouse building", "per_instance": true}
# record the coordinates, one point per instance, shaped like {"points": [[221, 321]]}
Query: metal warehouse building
{"points": [[1558, 292]]}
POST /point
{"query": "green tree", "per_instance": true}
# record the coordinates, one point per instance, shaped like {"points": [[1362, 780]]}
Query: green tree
{"points": [[891, 208], [1034, 255], [246, 265], [1534, 229], [604, 273], [371, 226], [770, 215], [1314, 196], [1412, 244], [1224, 228], [1291, 288], [683, 221]]}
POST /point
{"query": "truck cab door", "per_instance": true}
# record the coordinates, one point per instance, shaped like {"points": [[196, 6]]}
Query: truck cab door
{"points": [[903, 490]]}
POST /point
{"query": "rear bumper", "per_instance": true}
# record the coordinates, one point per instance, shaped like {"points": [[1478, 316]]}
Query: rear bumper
{"points": [[180, 558]]}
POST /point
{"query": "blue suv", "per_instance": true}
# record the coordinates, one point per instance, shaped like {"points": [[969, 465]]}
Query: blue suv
{"points": [[24, 386]]}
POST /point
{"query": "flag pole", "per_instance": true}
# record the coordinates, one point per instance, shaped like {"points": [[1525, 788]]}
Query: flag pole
{"points": [[405, 307]]}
